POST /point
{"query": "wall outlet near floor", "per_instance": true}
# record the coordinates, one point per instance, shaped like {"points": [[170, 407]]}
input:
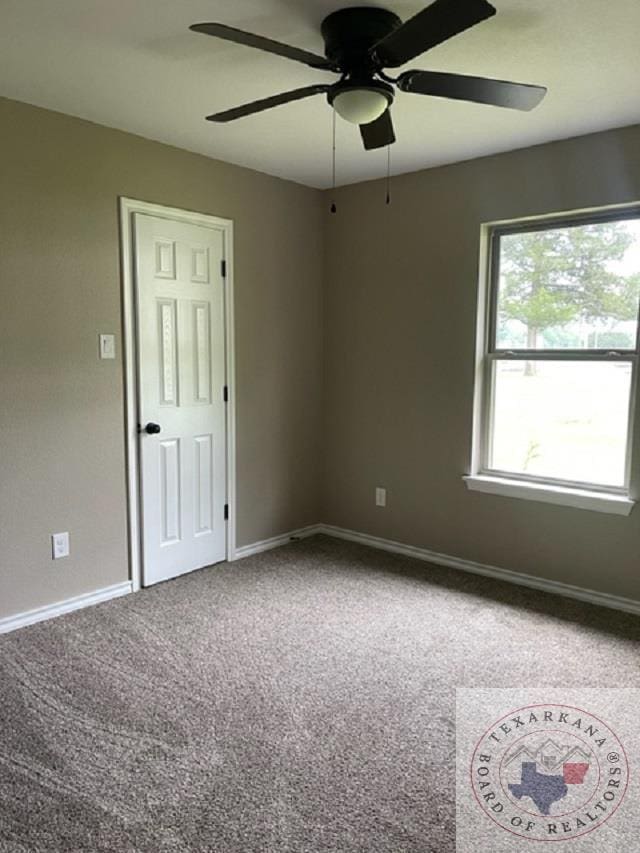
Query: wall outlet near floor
{"points": [[59, 545], [381, 497]]}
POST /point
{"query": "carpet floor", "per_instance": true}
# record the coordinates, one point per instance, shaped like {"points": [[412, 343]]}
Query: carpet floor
{"points": [[298, 701]]}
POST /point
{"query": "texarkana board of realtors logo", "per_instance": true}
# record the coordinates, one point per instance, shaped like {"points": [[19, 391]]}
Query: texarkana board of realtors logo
{"points": [[549, 772]]}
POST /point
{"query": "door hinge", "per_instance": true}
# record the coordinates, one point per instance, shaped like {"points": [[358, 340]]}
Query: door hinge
{"points": [[225, 393], [226, 512], [223, 268]]}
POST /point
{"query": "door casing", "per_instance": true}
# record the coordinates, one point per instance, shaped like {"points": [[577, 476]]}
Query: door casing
{"points": [[127, 208]]}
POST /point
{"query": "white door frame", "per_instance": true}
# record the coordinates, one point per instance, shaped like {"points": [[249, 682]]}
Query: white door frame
{"points": [[128, 207]]}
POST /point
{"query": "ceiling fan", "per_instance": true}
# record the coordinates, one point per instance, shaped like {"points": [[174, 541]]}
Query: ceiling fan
{"points": [[362, 41]]}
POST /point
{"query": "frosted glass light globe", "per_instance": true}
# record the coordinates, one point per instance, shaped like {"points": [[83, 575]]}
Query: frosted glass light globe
{"points": [[360, 106]]}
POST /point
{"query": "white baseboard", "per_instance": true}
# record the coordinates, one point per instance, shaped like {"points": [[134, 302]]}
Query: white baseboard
{"points": [[275, 541], [30, 617], [628, 605], [591, 596]]}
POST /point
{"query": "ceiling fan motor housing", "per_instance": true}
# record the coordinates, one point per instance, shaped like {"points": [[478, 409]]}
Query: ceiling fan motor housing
{"points": [[349, 34]]}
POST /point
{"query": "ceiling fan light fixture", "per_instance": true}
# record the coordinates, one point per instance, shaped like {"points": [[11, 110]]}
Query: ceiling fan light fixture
{"points": [[360, 104], [360, 42]]}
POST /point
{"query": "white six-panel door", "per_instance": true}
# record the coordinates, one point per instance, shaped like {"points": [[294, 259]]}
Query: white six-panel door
{"points": [[181, 381]]}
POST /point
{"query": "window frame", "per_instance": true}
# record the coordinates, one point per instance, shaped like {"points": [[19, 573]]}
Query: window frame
{"points": [[489, 354]]}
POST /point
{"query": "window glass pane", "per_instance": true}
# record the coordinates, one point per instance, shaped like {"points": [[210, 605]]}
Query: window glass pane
{"points": [[562, 420], [570, 288]]}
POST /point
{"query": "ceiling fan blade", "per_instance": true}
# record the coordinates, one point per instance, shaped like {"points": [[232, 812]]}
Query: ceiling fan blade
{"points": [[379, 133], [240, 37], [267, 103], [480, 90], [435, 24]]}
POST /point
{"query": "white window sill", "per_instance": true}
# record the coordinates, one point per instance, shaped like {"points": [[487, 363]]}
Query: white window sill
{"points": [[546, 493]]}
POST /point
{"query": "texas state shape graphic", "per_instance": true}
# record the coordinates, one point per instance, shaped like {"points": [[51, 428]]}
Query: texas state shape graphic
{"points": [[542, 789]]}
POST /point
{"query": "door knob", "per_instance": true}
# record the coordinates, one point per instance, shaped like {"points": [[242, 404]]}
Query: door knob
{"points": [[150, 428]]}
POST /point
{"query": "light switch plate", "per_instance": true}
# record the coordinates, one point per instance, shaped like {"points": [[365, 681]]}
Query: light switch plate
{"points": [[59, 545], [381, 497], [107, 346]]}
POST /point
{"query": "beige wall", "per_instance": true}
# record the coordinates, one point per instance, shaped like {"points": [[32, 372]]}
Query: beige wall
{"points": [[61, 410], [400, 307], [400, 287]]}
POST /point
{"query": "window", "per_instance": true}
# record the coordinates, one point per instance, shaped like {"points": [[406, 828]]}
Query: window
{"points": [[559, 365]]}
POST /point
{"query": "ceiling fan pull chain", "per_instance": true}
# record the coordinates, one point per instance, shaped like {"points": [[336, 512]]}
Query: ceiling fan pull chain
{"points": [[333, 183], [388, 174]]}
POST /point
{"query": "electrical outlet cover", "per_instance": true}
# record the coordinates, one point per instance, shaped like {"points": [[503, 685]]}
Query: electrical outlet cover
{"points": [[59, 545]]}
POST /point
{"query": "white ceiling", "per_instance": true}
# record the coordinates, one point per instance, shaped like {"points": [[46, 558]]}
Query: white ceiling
{"points": [[133, 65]]}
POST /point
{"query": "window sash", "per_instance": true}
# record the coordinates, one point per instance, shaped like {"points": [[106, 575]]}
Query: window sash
{"points": [[552, 224], [487, 426]]}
